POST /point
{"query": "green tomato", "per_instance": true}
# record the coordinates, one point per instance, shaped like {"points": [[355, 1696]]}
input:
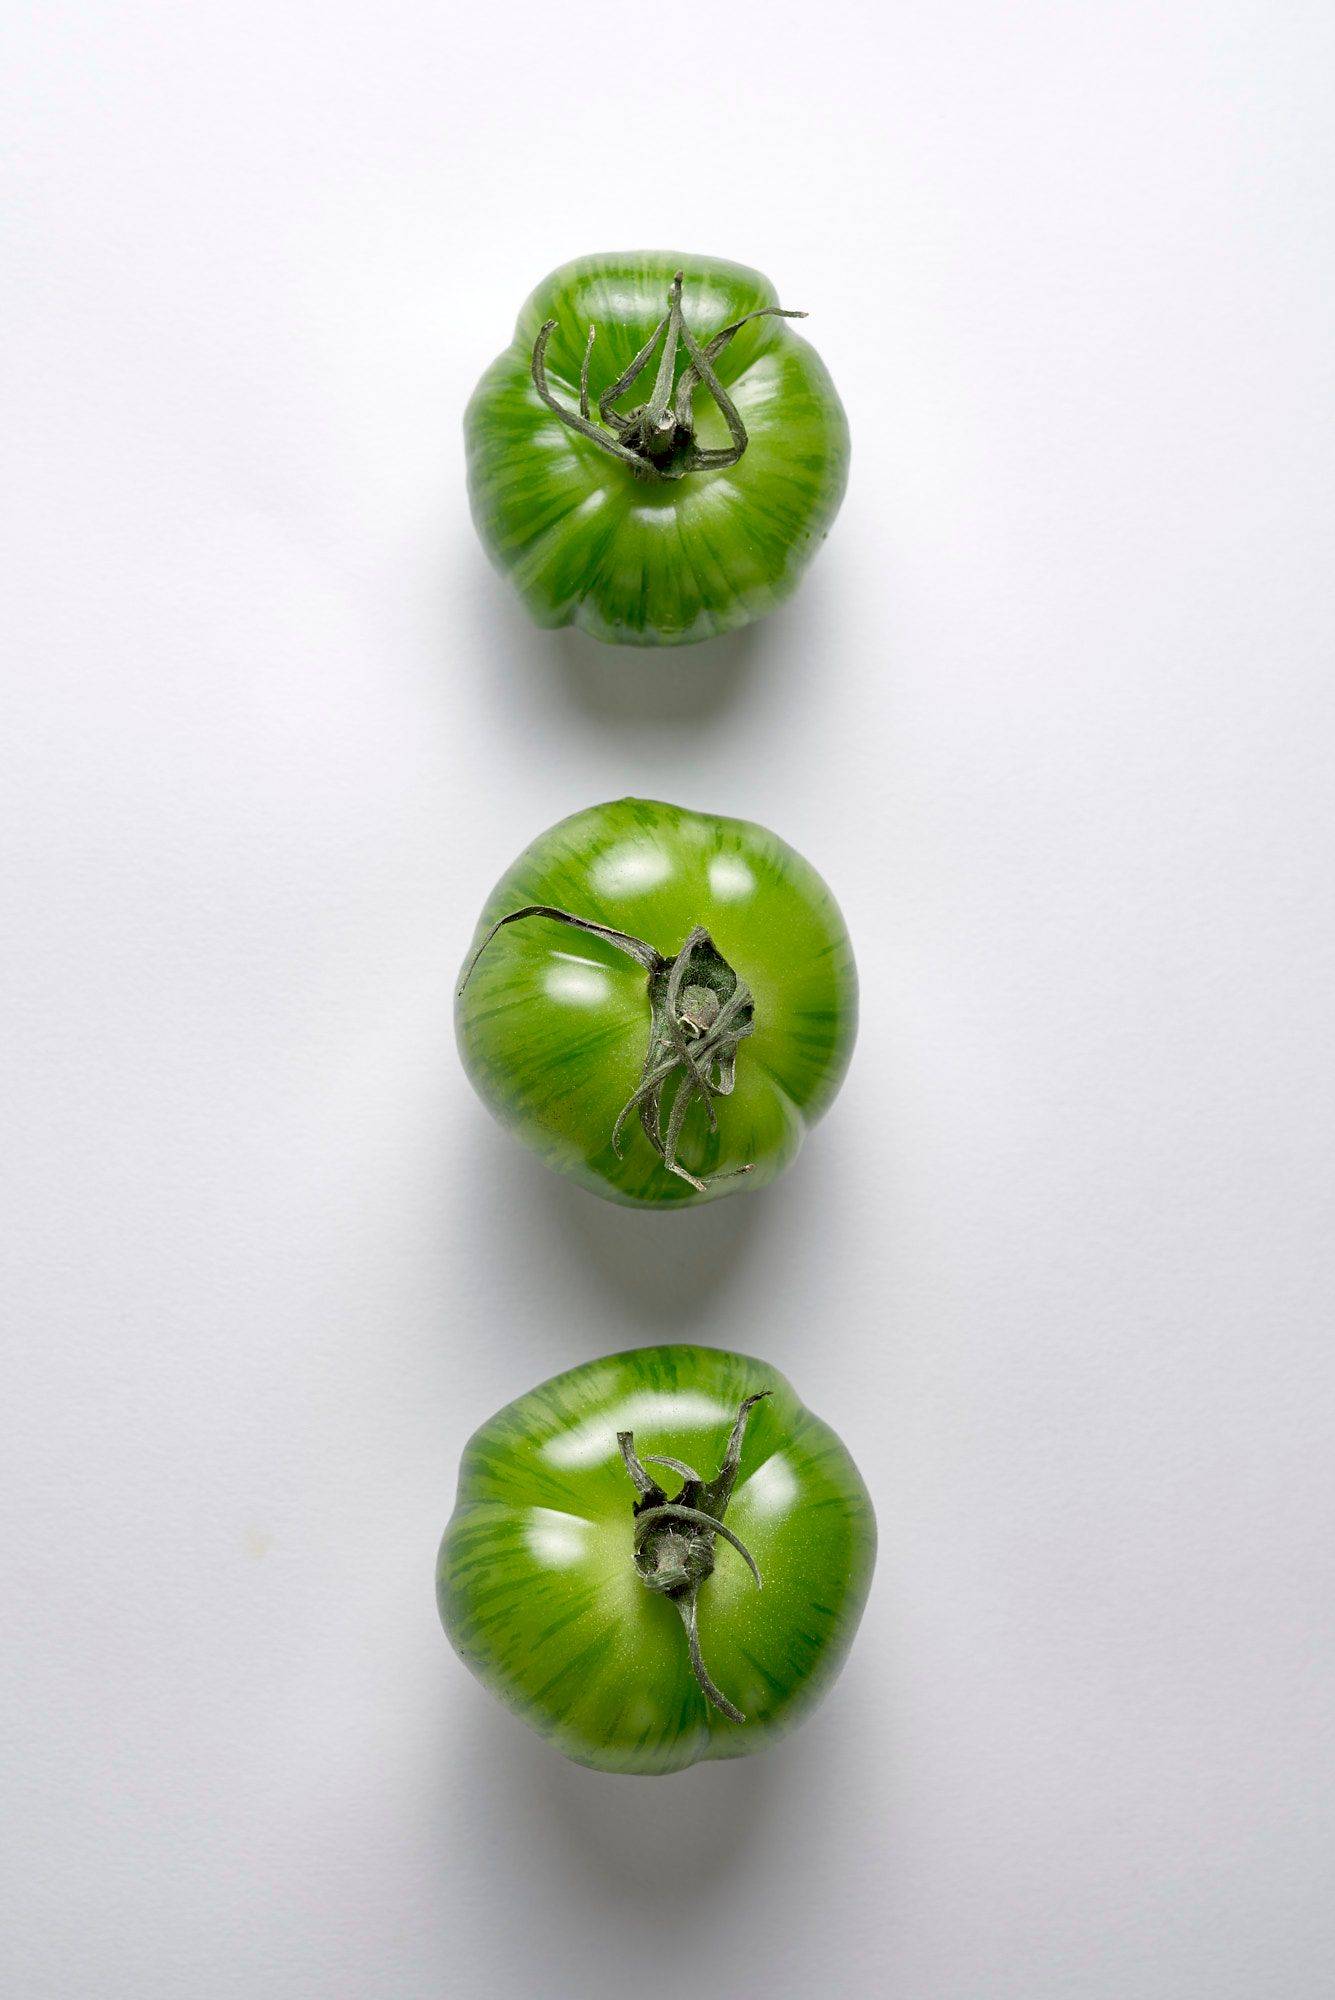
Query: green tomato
{"points": [[620, 1614], [654, 461], [658, 1002]]}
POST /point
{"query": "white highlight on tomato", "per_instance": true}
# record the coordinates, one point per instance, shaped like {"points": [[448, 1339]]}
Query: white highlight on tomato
{"points": [[577, 983], [556, 1540], [772, 1488], [730, 878]]}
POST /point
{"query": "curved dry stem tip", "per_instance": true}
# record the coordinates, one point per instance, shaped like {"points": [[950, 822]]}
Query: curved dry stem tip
{"points": [[584, 375], [676, 1465], [655, 415], [732, 1456], [539, 363], [644, 954], [647, 1488], [728, 1174], [708, 1685], [715, 1496]]}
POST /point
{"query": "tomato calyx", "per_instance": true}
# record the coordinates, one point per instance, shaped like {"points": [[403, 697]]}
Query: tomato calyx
{"points": [[674, 1539], [657, 439], [700, 1012]]}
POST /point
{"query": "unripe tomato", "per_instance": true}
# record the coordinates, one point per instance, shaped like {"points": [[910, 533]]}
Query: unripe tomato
{"points": [[656, 457], [659, 1002], [657, 1558]]}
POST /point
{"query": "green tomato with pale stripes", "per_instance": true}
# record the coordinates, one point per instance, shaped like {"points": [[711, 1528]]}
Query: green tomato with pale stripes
{"points": [[657, 456], [657, 1558], [659, 1002]]}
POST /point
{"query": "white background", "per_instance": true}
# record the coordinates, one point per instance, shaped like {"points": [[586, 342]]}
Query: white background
{"points": [[1053, 713]]}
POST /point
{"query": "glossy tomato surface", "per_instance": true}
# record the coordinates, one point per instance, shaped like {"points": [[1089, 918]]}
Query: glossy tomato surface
{"points": [[587, 540], [539, 1591], [553, 1024]]}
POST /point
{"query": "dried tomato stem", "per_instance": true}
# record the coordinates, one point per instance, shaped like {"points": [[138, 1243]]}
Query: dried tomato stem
{"points": [[657, 439], [700, 1012], [673, 1544]]}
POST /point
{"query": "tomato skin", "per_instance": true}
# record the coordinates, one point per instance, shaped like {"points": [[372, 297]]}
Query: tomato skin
{"points": [[540, 1598], [552, 1024], [654, 562]]}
